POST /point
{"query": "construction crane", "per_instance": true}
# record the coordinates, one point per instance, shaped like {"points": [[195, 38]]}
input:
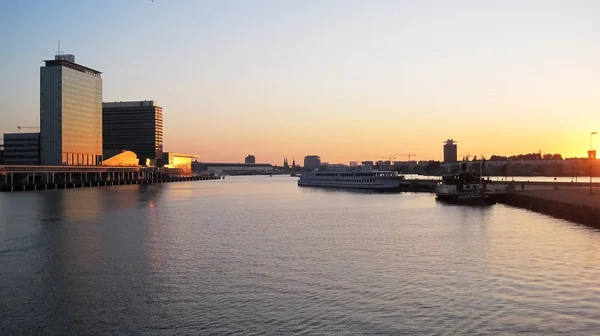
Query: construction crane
{"points": [[408, 154], [28, 127], [392, 157], [466, 157]]}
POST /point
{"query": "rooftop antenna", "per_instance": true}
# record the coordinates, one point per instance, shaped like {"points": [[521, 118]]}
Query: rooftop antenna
{"points": [[58, 52]]}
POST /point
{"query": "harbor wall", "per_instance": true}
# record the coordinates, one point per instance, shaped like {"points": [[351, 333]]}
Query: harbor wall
{"points": [[576, 205]]}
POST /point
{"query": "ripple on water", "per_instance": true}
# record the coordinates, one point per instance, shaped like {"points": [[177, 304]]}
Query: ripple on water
{"points": [[260, 256]]}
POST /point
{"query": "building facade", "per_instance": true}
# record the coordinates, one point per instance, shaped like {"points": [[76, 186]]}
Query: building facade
{"points": [[22, 148], [233, 168], [250, 159], [70, 113], [450, 151], [178, 161], [135, 126], [312, 162], [123, 159]]}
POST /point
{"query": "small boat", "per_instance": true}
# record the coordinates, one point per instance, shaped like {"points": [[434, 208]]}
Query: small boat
{"points": [[464, 187]]}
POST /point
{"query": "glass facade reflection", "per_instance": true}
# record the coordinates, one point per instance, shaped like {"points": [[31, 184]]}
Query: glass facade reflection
{"points": [[70, 114]]}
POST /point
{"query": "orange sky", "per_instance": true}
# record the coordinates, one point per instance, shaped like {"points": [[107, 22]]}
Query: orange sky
{"points": [[347, 80]]}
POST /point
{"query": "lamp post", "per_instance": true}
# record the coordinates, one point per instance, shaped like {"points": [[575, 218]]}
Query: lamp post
{"points": [[591, 156]]}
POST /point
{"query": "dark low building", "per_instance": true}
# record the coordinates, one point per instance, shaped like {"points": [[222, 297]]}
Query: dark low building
{"points": [[312, 162], [450, 151], [232, 168], [22, 148], [135, 126], [250, 159]]}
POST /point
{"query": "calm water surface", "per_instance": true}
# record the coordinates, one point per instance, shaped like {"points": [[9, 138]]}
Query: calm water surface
{"points": [[261, 256]]}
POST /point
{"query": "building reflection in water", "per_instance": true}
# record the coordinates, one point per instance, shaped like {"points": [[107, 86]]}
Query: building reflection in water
{"points": [[92, 240]]}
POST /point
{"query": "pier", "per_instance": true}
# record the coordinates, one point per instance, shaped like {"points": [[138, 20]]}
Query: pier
{"points": [[25, 178], [575, 204]]}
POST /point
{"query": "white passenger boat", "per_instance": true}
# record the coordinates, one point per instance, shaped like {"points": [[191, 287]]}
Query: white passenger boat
{"points": [[360, 179]]}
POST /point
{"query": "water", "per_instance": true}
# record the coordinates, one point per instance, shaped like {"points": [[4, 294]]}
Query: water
{"points": [[261, 256]]}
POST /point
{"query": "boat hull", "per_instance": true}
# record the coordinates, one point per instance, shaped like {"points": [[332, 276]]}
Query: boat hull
{"points": [[388, 186]]}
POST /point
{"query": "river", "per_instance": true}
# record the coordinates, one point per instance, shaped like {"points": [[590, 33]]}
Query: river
{"points": [[259, 255]]}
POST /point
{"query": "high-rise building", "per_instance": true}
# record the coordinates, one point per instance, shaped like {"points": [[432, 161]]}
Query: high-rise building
{"points": [[70, 113], [135, 126], [312, 162], [22, 148], [250, 159], [450, 151]]}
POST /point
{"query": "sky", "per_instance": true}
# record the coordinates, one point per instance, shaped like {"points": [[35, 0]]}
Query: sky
{"points": [[348, 80]]}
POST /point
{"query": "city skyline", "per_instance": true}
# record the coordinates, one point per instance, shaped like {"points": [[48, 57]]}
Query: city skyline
{"points": [[347, 80]]}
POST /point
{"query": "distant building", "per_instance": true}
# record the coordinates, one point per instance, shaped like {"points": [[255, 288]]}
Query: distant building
{"points": [[22, 148], [312, 162], [232, 168], [1, 154], [367, 164], [353, 164], [123, 159], [384, 165], [135, 126], [450, 151], [70, 113], [181, 162], [250, 159]]}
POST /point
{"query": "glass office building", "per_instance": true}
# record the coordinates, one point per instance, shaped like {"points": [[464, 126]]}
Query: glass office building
{"points": [[135, 126], [70, 113], [22, 148]]}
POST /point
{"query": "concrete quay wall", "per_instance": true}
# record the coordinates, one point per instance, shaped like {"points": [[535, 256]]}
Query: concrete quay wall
{"points": [[573, 204]]}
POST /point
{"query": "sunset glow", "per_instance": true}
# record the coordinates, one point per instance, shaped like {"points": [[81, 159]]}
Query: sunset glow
{"points": [[347, 80]]}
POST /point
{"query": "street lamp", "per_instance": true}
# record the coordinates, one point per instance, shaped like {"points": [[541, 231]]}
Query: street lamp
{"points": [[591, 156]]}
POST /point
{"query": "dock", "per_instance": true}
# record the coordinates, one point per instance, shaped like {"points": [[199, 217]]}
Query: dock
{"points": [[26, 178], [418, 185], [577, 202], [574, 204]]}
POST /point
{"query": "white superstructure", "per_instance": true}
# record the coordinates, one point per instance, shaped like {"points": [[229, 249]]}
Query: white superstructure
{"points": [[361, 179]]}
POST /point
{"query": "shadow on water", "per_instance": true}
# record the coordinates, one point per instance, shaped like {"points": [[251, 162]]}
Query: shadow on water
{"points": [[464, 204], [84, 247]]}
